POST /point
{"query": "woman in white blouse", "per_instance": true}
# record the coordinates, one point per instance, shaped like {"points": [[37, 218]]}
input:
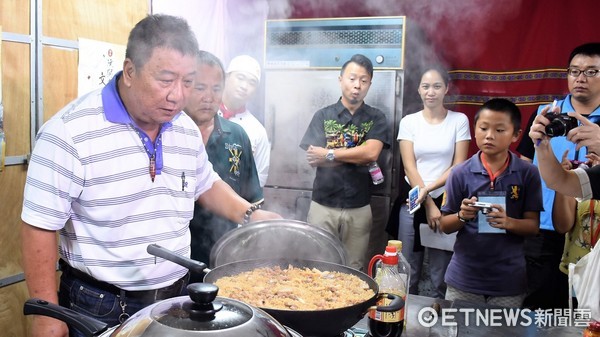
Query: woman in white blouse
{"points": [[432, 141]]}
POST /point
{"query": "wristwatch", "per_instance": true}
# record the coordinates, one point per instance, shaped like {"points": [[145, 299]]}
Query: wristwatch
{"points": [[461, 219], [330, 156]]}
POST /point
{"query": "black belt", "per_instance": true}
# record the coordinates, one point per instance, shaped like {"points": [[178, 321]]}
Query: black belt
{"points": [[154, 295]]}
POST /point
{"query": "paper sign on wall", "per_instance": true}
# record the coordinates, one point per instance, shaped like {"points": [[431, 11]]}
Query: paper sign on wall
{"points": [[98, 62]]}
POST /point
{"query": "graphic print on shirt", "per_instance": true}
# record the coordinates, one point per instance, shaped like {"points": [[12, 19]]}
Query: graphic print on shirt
{"points": [[589, 223], [350, 135], [235, 152], [515, 192]]}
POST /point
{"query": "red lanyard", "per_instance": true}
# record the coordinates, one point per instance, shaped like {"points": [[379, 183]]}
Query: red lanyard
{"points": [[593, 233], [494, 175]]}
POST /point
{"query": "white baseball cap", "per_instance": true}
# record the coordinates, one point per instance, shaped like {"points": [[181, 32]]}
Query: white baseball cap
{"points": [[246, 64]]}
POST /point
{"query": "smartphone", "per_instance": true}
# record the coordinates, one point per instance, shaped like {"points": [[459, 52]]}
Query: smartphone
{"points": [[413, 195]]}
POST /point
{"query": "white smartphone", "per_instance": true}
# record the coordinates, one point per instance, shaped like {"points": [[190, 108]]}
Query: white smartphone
{"points": [[413, 195]]}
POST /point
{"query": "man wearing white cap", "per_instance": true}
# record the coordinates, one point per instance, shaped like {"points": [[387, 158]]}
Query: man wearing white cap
{"points": [[243, 77]]}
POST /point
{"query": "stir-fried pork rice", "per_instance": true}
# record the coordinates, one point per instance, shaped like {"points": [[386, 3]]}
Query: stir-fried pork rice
{"points": [[295, 288]]}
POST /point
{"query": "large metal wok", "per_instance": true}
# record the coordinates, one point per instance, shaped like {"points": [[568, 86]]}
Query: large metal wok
{"points": [[331, 322]]}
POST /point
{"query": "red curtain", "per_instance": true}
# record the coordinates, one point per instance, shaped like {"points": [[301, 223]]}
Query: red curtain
{"points": [[516, 49]]}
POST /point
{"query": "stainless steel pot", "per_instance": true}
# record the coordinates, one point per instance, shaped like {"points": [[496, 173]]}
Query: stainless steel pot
{"points": [[281, 238], [200, 314]]}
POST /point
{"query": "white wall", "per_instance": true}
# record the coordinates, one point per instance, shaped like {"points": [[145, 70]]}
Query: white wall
{"points": [[226, 28]]}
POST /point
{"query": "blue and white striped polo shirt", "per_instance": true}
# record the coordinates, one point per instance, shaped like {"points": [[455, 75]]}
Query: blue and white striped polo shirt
{"points": [[88, 178]]}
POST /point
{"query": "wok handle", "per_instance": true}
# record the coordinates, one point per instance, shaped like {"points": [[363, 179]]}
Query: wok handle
{"points": [[396, 304], [193, 265], [88, 326]]}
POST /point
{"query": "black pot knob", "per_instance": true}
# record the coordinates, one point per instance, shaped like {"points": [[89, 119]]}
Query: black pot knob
{"points": [[203, 295]]}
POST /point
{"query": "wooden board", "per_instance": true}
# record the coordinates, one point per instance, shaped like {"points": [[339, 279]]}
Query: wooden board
{"points": [[103, 20], [63, 87], [12, 321], [108, 21], [16, 99], [14, 16]]}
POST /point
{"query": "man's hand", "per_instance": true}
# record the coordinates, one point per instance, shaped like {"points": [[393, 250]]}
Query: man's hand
{"points": [[261, 214], [43, 326], [537, 133], [315, 155], [586, 134]]}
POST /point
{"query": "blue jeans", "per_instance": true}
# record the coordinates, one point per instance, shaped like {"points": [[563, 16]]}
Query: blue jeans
{"points": [[93, 302], [438, 259]]}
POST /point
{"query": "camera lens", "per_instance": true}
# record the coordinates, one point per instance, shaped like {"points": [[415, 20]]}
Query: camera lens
{"points": [[555, 128], [560, 125]]}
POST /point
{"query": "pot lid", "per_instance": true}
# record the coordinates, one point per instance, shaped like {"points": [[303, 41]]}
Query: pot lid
{"points": [[199, 314], [280, 238], [202, 313]]}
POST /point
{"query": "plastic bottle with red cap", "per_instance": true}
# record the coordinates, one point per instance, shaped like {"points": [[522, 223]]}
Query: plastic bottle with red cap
{"points": [[593, 329], [390, 281]]}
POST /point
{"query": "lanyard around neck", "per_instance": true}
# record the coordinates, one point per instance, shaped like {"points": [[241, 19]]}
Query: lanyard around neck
{"points": [[494, 175]]}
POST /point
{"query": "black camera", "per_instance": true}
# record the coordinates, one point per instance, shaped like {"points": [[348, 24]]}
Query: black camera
{"points": [[560, 124]]}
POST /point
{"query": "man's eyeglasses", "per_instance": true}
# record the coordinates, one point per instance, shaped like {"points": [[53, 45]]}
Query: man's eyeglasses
{"points": [[587, 73]]}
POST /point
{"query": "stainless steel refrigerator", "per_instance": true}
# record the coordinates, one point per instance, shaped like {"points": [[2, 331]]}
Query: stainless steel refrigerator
{"points": [[303, 59]]}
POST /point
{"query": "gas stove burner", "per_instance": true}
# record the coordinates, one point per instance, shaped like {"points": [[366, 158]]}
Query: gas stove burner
{"points": [[347, 333], [352, 332]]}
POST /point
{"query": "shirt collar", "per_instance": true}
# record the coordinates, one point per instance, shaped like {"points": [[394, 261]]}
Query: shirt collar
{"points": [[477, 166], [340, 108], [221, 125], [566, 107], [114, 110]]}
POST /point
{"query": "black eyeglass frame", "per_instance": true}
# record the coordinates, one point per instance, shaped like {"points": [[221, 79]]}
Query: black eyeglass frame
{"points": [[574, 72]]}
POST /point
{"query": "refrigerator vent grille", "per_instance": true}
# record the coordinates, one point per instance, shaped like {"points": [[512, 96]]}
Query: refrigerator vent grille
{"points": [[379, 37], [328, 43]]}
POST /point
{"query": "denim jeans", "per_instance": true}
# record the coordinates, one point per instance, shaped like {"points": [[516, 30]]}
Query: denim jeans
{"points": [[438, 259], [96, 303]]}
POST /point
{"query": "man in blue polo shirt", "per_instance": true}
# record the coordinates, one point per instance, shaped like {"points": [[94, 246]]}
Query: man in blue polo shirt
{"points": [[547, 286]]}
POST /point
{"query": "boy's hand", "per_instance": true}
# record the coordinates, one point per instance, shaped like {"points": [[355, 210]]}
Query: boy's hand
{"points": [[467, 211], [497, 217]]}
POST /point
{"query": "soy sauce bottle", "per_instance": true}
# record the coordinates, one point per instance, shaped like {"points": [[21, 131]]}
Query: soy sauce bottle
{"points": [[387, 324]]}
